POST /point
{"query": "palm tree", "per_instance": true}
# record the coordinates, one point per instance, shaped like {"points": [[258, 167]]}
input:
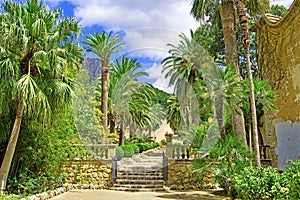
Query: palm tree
{"points": [[246, 44], [38, 48], [222, 89], [226, 11], [173, 113], [183, 68], [103, 46], [122, 87]]}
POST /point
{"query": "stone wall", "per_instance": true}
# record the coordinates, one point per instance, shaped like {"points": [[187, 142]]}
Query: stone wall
{"points": [[180, 176], [88, 172], [279, 63]]}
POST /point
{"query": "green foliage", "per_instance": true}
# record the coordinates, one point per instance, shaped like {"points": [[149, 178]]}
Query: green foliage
{"points": [[261, 183], [135, 148], [48, 148], [163, 141], [278, 10], [119, 153], [128, 150], [147, 146], [86, 110], [292, 177], [211, 38], [10, 197], [226, 158]]}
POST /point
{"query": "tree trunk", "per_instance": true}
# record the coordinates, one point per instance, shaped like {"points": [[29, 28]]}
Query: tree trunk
{"points": [[104, 98], [246, 43], [231, 54], [11, 146], [219, 105], [122, 131]]}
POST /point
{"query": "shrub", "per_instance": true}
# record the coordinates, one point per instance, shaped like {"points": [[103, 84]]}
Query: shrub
{"points": [[163, 141], [119, 153], [141, 147], [135, 148], [128, 150], [292, 177], [260, 183]]}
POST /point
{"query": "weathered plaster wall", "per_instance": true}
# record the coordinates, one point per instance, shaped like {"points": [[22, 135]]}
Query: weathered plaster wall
{"points": [[288, 142], [279, 62]]}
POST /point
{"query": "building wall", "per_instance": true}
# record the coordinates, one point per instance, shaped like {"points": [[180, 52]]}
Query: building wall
{"points": [[279, 63]]}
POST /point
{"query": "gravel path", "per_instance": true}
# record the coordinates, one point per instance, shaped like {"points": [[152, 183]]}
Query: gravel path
{"points": [[117, 195]]}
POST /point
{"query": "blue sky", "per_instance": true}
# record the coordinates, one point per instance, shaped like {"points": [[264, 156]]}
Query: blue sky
{"points": [[146, 26]]}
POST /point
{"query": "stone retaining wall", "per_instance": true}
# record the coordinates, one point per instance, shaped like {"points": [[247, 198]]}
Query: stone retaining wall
{"points": [[180, 177], [88, 172]]}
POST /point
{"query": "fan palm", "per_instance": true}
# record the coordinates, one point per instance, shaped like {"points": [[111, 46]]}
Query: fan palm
{"points": [[103, 45], [38, 48]]}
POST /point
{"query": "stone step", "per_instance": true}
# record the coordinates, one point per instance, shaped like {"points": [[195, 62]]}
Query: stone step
{"points": [[138, 177], [140, 168], [139, 182], [138, 186], [140, 171], [154, 154], [138, 189], [126, 174]]}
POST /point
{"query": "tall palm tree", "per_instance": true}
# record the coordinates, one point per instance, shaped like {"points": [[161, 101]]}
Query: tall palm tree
{"points": [[38, 47], [183, 67], [122, 87], [103, 45], [226, 11], [246, 44]]}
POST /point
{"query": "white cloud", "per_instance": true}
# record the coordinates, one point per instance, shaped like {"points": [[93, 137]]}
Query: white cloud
{"points": [[155, 71], [162, 83], [285, 3], [149, 42], [129, 14]]}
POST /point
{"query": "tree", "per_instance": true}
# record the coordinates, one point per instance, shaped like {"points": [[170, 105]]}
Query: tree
{"points": [[122, 87], [227, 14], [173, 113], [246, 44], [103, 46], [38, 48]]}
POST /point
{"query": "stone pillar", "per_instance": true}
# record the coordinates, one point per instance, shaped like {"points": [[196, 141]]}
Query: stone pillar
{"points": [[111, 151]]}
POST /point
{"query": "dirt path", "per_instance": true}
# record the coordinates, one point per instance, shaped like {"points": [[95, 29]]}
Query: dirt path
{"points": [[117, 195]]}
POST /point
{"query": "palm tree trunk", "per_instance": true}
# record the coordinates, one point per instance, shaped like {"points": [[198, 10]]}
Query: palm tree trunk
{"points": [[231, 54], [104, 98], [219, 105], [122, 131], [11, 146], [246, 43]]}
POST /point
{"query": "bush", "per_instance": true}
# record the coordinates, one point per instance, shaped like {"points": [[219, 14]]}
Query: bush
{"points": [[128, 150], [141, 147], [119, 153], [136, 149], [163, 141], [261, 183], [292, 177]]}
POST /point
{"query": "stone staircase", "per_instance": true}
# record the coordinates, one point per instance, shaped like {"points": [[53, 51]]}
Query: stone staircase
{"points": [[141, 173]]}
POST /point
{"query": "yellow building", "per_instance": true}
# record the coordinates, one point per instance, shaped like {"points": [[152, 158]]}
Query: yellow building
{"points": [[279, 62]]}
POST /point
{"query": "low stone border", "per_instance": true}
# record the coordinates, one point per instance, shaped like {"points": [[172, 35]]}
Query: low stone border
{"points": [[63, 189], [199, 187]]}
